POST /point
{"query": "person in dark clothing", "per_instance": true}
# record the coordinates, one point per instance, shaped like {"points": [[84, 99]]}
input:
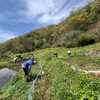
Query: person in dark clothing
{"points": [[55, 54], [27, 67], [32, 57], [69, 53], [21, 57]]}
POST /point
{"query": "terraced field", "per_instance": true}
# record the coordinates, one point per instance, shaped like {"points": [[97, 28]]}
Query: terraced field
{"points": [[59, 81]]}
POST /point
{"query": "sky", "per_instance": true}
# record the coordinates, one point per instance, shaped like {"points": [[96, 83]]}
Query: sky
{"points": [[18, 17]]}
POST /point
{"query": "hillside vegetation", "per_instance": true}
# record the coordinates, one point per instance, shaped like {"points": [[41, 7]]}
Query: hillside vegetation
{"points": [[60, 81], [81, 28], [64, 78]]}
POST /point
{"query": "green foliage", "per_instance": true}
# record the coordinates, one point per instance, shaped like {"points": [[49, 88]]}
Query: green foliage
{"points": [[79, 22], [59, 81], [96, 8], [85, 39], [71, 44], [18, 55], [65, 34]]}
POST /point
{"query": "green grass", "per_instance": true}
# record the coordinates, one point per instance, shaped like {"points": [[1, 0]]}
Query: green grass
{"points": [[59, 81]]}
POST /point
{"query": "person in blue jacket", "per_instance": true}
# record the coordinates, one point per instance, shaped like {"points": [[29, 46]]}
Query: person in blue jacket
{"points": [[27, 67]]}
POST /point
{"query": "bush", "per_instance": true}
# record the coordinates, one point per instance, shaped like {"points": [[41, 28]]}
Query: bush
{"points": [[18, 55], [71, 44], [85, 39]]}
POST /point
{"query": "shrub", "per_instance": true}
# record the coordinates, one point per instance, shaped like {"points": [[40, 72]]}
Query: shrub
{"points": [[18, 55], [71, 44], [85, 39]]}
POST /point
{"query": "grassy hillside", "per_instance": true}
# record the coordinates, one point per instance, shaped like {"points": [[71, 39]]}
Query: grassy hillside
{"points": [[59, 81], [80, 28]]}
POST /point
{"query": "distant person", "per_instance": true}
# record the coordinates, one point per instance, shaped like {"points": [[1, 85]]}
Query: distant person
{"points": [[55, 54], [69, 53], [21, 57], [27, 67], [15, 60], [32, 57]]}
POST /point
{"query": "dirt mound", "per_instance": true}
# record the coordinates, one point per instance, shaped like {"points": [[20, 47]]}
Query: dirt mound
{"points": [[93, 52], [94, 73]]}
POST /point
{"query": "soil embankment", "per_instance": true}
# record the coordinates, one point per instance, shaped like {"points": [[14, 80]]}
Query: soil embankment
{"points": [[93, 52], [94, 73]]}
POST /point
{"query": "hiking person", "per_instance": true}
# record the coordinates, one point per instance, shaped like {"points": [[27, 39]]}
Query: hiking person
{"points": [[69, 53], [55, 54], [27, 67], [15, 60]]}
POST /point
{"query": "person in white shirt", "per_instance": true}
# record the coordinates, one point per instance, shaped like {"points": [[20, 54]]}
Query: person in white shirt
{"points": [[69, 53], [15, 59]]}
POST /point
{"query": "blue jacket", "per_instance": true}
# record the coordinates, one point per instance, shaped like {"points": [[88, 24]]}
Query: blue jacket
{"points": [[28, 63]]}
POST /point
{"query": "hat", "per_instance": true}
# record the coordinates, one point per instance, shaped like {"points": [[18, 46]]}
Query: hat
{"points": [[34, 62]]}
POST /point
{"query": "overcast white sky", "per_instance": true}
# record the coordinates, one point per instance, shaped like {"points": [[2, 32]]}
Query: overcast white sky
{"points": [[18, 17]]}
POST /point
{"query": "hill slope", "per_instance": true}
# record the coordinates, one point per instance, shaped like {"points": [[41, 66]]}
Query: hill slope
{"points": [[81, 28], [60, 81]]}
